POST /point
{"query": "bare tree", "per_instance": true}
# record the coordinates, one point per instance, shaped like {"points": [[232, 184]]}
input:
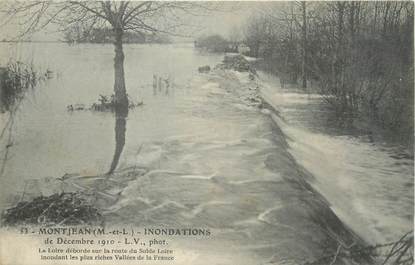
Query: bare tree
{"points": [[304, 43], [120, 16]]}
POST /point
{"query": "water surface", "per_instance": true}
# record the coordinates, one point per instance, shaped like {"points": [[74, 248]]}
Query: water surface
{"points": [[369, 180]]}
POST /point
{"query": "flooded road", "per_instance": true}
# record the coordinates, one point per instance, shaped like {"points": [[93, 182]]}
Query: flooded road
{"points": [[223, 167], [199, 155]]}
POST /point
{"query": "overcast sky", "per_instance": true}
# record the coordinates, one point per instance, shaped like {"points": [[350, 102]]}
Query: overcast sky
{"points": [[231, 15], [234, 16]]}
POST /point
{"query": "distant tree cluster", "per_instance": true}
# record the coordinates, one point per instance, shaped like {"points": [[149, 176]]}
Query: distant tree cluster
{"points": [[360, 54], [215, 43], [77, 34]]}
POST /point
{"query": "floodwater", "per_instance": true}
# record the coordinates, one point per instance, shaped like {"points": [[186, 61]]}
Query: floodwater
{"points": [[50, 141], [369, 180], [208, 155]]}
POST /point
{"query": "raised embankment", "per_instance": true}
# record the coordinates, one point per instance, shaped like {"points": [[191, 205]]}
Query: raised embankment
{"points": [[304, 223]]}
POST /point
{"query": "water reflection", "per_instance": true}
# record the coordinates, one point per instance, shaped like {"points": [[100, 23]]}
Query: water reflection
{"points": [[121, 114]]}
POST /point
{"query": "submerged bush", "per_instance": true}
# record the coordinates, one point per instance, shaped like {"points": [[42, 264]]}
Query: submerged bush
{"points": [[237, 63], [105, 103], [15, 80], [57, 209]]}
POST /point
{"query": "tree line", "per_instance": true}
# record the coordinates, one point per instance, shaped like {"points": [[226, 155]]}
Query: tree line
{"points": [[359, 55], [78, 34]]}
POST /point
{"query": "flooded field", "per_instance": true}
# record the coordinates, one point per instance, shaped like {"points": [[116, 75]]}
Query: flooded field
{"points": [[83, 141]]}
